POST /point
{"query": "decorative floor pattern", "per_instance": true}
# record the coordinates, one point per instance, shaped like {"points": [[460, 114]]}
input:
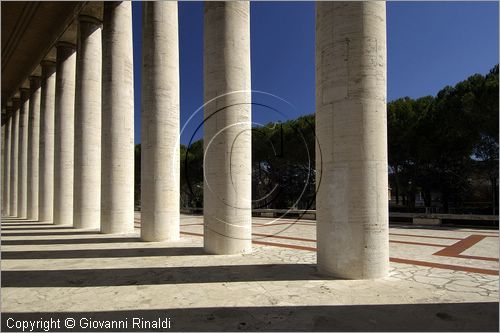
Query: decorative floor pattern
{"points": [[440, 279]]}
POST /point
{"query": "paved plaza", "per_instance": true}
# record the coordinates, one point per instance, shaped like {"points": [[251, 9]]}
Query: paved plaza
{"points": [[440, 279]]}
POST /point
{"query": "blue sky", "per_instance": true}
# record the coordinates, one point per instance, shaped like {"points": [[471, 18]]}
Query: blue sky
{"points": [[430, 45]]}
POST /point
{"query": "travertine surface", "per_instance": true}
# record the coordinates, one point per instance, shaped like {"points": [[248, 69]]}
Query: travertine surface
{"points": [[33, 148], [227, 128], [66, 272], [14, 156], [46, 154], [117, 171], [64, 133], [351, 129], [6, 164], [87, 173], [22, 162], [160, 122]]}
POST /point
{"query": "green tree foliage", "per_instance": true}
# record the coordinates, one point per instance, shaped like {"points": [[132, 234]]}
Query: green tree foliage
{"points": [[137, 175], [191, 170], [440, 144], [283, 156], [443, 144]]}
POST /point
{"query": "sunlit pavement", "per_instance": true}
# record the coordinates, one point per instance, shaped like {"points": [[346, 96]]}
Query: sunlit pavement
{"points": [[440, 279]]}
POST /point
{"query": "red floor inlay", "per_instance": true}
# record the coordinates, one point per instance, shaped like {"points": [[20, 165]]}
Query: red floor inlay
{"points": [[417, 243], [456, 249], [424, 236], [460, 246], [288, 246], [396, 260], [453, 250], [445, 266], [286, 237]]}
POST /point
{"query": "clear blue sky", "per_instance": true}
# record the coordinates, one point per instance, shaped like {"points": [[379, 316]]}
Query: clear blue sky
{"points": [[430, 45]]}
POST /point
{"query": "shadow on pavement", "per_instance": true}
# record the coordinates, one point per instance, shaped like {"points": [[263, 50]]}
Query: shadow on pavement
{"points": [[159, 275], [394, 317]]}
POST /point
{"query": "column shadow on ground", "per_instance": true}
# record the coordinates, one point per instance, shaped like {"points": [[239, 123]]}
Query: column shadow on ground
{"points": [[57, 233], [71, 241], [450, 317], [159, 275], [39, 228], [103, 253], [25, 223]]}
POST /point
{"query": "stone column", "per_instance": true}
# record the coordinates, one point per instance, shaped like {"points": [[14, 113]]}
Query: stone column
{"points": [[87, 189], [351, 152], [6, 163], [64, 133], [46, 152], [117, 177], [33, 147], [227, 128], [160, 122], [3, 140], [22, 166], [14, 156]]}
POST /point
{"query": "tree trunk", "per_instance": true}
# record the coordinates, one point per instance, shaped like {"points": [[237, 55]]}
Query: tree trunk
{"points": [[445, 199], [427, 198], [493, 182]]}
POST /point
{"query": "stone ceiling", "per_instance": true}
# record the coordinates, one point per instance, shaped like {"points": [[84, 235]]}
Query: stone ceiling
{"points": [[29, 31]]}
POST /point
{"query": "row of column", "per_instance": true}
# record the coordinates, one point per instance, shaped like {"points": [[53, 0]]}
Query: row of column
{"points": [[86, 154], [351, 135], [53, 137]]}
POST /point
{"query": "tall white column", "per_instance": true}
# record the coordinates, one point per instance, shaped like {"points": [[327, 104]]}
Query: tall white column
{"points": [[87, 189], [64, 133], [22, 166], [46, 152], [14, 156], [2, 141], [6, 163], [33, 147], [227, 128], [4, 151], [351, 155], [117, 177], [160, 122]]}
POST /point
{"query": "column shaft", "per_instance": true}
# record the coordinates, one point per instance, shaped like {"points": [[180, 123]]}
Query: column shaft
{"points": [[2, 141], [87, 189], [227, 128], [64, 133], [351, 155], [46, 152], [14, 156], [6, 165], [117, 177], [33, 148], [160, 122], [22, 167]]}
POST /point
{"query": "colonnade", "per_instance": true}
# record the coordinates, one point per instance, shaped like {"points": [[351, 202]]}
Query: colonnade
{"points": [[68, 141]]}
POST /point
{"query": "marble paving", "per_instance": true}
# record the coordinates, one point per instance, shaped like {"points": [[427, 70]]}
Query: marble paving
{"points": [[441, 279]]}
